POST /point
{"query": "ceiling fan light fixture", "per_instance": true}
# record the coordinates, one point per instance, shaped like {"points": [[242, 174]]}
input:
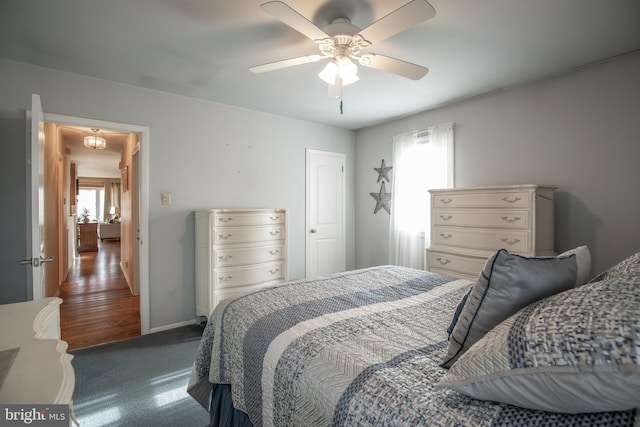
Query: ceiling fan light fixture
{"points": [[348, 71], [94, 141], [329, 72], [341, 41], [340, 67]]}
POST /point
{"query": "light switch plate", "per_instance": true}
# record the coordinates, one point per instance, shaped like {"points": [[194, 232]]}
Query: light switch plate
{"points": [[166, 198]]}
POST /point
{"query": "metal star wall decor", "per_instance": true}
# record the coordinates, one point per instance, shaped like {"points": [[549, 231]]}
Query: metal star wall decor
{"points": [[383, 172], [382, 199]]}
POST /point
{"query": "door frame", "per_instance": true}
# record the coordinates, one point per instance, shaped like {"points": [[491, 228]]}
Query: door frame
{"points": [[143, 191], [308, 153]]}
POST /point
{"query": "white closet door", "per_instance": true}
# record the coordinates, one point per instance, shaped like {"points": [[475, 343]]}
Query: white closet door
{"points": [[325, 213]]}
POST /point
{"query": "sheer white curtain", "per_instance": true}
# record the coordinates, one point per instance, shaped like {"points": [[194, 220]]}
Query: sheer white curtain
{"points": [[421, 161], [115, 196], [111, 199]]}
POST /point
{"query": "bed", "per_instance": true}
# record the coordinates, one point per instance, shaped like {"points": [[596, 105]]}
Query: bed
{"points": [[390, 345]]}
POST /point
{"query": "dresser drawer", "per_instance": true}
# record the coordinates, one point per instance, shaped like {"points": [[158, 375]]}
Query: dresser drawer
{"points": [[248, 255], [487, 239], [482, 200], [247, 234], [516, 219], [228, 277], [230, 219], [455, 265]]}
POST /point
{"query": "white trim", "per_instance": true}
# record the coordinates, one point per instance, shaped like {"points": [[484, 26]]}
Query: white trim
{"points": [[144, 198], [174, 326]]}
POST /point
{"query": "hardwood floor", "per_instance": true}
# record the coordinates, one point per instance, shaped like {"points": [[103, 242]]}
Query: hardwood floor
{"points": [[97, 304]]}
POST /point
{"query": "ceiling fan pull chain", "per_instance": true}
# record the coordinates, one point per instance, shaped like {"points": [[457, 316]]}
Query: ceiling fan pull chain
{"points": [[339, 81]]}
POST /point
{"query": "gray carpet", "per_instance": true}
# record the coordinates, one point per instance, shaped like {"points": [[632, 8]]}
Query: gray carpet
{"points": [[139, 382]]}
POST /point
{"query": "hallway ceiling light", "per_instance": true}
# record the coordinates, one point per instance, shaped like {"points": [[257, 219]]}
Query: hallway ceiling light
{"points": [[96, 142]]}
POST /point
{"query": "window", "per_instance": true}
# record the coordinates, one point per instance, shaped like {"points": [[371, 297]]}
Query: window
{"points": [[421, 161], [91, 199]]}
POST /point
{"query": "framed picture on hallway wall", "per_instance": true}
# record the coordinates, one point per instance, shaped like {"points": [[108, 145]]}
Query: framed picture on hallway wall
{"points": [[125, 179]]}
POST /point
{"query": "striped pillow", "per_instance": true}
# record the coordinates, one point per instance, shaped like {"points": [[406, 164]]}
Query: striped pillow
{"points": [[573, 352]]}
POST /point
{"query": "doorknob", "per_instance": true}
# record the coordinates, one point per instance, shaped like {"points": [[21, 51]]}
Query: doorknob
{"points": [[36, 261], [313, 230]]}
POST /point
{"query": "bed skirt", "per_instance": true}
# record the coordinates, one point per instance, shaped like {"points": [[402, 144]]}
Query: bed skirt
{"points": [[221, 410]]}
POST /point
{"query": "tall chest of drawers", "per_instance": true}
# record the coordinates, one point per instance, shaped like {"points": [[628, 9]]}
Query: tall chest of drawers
{"points": [[469, 224], [237, 251]]}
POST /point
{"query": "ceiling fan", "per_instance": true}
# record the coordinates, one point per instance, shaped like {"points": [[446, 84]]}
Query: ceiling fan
{"points": [[341, 42]]}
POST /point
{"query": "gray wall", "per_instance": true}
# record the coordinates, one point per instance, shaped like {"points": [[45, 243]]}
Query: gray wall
{"points": [[13, 207], [205, 154], [579, 131]]}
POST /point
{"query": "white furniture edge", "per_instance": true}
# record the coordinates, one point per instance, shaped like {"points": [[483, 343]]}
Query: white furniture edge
{"points": [[43, 331]]}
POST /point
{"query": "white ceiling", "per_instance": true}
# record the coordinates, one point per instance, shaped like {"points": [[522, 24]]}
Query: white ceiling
{"points": [[90, 162], [203, 49]]}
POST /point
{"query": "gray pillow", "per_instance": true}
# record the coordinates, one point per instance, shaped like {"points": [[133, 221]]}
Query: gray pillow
{"points": [[583, 263], [507, 283], [573, 352], [456, 314]]}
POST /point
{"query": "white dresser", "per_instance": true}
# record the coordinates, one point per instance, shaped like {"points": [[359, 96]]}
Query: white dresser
{"points": [[40, 371], [469, 224], [238, 250]]}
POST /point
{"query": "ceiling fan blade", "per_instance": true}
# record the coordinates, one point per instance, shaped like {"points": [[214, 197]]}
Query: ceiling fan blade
{"points": [[286, 63], [293, 19], [395, 66], [401, 19]]}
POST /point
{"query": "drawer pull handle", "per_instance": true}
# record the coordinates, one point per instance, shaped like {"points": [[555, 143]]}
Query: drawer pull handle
{"points": [[274, 218], [225, 236], [446, 201], [511, 219], [222, 279], [446, 217], [274, 252], [443, 261], [510, 242], [221, 219], [511, 199], [274, 271], [274, 233], [225, 257], [446, 236]]}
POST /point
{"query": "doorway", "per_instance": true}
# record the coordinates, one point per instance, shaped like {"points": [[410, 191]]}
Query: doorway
{"points": [[137, 165]]}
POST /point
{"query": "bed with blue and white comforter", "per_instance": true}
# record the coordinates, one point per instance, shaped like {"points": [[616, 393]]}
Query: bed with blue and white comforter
{"points": [[358, 348]]}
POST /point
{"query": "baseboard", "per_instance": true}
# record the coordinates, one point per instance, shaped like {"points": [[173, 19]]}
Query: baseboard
{"points": [[172, 326]]}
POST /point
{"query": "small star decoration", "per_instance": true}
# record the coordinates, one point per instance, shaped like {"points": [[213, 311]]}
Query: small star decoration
{"points": [[383, 172], [382, 199]]}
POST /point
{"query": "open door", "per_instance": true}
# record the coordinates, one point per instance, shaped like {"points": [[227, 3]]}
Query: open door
{"points": [[35, 206]]}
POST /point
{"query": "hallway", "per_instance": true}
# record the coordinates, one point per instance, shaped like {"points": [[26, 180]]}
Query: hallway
{"points": [[97, 304]]}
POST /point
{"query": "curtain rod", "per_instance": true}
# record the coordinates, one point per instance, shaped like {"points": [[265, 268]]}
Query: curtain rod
{"points": [[425, 131]]}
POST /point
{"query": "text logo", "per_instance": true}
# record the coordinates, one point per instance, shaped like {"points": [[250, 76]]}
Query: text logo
{"points": [[34, 415]]}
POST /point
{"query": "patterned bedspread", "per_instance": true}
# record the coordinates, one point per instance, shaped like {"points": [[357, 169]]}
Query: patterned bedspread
{"points": [[360, 348]]}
